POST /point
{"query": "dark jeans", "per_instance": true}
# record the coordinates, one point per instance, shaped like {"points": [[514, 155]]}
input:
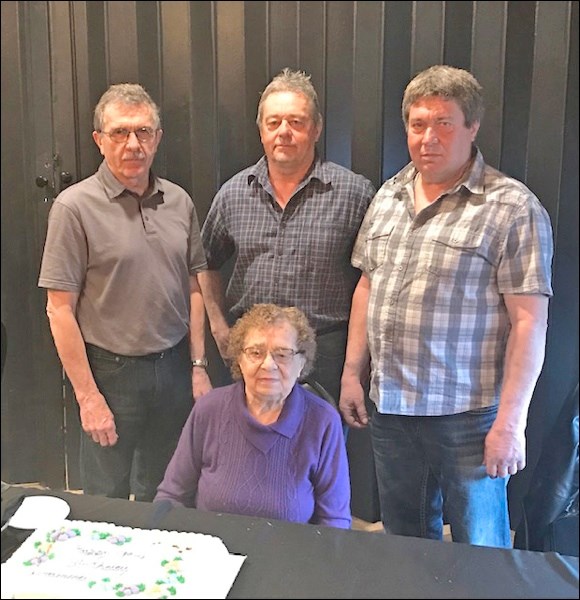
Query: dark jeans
{"points": [[330, 354], [151, 398], [429, 465]]}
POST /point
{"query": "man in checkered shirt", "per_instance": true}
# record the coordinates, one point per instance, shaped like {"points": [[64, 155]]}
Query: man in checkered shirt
{"points": [[288, 223], [452, 308]]}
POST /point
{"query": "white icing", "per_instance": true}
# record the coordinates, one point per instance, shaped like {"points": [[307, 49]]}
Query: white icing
{"points": [[82, 559]]}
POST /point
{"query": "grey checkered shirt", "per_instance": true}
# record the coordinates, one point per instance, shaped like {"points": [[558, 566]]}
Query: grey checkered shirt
{"points": [[437, 321], [299, 256]]}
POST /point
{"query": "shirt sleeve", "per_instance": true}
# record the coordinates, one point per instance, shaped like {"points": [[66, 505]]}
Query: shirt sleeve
{"points": [[526, 262]]}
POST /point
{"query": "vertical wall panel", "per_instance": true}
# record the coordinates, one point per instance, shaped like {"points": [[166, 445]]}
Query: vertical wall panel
{"points": [[517, 86], [311, 50], [32, 402], [258, 69], [121, 31], [339, 67], [176, 91], [427, 35], [367, 89], [458, 33], [283, 29], [488, 65], [203, 128], [230, 37], [398, 27]]}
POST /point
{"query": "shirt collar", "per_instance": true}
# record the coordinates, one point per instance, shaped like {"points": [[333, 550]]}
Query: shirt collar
{"points": [[287, 424], [114, 188], [473, 179], [318, 170]]}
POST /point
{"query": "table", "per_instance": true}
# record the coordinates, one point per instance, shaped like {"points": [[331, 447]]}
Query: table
{"points": [[286, 560]]}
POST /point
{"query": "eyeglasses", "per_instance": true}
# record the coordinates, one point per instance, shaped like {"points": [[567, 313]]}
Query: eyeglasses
{"points": [[120, 135], [281, 356]]}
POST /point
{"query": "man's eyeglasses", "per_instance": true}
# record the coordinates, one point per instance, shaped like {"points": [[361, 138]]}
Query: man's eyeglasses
{"points": [[281, 356], [120, 135]]}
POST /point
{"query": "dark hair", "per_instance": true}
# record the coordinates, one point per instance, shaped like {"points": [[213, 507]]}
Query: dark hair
{"points": [[292, 81], [261, 316], [128, 94], [451, 83]]}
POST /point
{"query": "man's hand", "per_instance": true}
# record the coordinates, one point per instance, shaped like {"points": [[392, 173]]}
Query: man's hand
{"points": [[352, 403], [97, 420]]}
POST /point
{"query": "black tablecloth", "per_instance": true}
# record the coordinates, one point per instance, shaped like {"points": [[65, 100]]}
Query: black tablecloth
{"points": [[286, 560]]}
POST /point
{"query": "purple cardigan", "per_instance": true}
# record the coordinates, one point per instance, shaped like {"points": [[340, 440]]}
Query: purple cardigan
{"points": [[295, 469]]}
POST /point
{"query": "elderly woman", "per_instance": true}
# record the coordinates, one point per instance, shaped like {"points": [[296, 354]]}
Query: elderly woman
{"points": [[264, 446]]}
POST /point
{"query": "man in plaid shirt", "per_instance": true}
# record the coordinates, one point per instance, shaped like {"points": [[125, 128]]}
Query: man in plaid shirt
{"points": [[288, 223], [452, 308]]}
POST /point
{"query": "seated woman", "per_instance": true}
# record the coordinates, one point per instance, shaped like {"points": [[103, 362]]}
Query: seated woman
{"points": [[264, 446]]}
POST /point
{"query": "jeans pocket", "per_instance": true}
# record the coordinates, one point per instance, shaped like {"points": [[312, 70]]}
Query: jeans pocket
{"points": [[104, 362]]}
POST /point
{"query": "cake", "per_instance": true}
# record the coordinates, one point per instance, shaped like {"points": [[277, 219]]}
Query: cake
{"points": [[84, 559]]}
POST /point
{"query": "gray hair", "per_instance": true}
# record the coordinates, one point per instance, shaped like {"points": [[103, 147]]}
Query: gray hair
{"points": [[292, 81], [127, 94], [451, 83], [261, 316]]}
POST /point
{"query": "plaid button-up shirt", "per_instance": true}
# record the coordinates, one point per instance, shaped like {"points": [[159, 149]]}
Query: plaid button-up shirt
{"points": [[296, 256], [437, 321]]}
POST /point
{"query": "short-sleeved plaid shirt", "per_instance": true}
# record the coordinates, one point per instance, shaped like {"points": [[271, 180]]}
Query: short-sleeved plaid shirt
{"points": [[299, 256], [437, 322]]}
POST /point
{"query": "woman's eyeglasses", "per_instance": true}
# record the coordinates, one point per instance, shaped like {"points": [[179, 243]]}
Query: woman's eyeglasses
{"points": [[120, 135], [281, 356]]}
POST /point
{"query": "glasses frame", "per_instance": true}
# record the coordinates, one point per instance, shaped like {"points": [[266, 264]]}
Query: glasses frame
{"points": [[149, 132], [280, 360]]}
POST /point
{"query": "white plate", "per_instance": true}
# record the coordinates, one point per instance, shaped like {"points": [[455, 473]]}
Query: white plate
{"points": [[40, 511]]}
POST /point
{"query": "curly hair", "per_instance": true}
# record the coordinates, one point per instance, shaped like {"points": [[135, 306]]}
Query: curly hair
{"points": [[451, 83], [261, 316]]}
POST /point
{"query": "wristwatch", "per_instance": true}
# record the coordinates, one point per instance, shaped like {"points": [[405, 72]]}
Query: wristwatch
{"points": [[199, 362]]}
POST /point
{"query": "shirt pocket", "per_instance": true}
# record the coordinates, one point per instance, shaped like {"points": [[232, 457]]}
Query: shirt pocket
{"points": [[458, 266], [459, 253], [377, 246]]}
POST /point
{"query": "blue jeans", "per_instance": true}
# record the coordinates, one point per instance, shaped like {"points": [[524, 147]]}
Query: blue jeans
{"points": [[151, 398], [427, 466]]}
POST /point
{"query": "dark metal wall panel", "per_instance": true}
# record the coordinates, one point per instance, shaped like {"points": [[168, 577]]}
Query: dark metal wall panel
{"points": [[458, 33], [283, 35], [368, 90], [257, 68], [398, 32], [488, 65], [32, 403], [427, 35], [312, 42], [231, 97], [149, 39], [339, 82], [517, 87], [176, 91], [203, 128], [121, 41]]}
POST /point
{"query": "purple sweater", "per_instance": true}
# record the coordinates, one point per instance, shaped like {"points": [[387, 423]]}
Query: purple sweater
{"points": [[295, 469]]}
